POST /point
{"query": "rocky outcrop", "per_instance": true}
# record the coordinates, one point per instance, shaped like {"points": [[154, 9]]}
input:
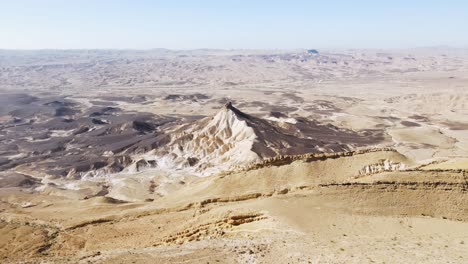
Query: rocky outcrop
{"points": [[212, 229], [381, 166], [107, 166], [288, 159]]}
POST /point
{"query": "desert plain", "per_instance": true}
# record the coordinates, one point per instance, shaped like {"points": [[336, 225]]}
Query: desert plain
{"points": [[234, 156]]}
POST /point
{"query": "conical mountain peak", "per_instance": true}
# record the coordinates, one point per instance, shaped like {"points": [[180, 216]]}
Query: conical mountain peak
{"points": [[233, 138], [229, 107]]}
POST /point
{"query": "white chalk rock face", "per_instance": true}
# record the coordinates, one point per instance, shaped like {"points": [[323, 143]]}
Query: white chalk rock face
{"points": [[222, 141], [382, 166]]}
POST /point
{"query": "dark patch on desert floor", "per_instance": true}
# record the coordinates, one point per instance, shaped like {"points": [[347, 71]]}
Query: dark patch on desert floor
{"points": [[103, 103], [269, 92], [331, 133], [232, 83], [277, 114], [64, 135], [419, 118], [127, 99], [293, 97], [186, 97], [389, 118], [279, 108], [456, 125], [349, 99], [410, 124], [422, 146], [13, 179], [382, 126]]}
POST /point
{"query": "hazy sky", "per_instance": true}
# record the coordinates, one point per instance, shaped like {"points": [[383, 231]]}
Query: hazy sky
{"points": [[252, 24]]}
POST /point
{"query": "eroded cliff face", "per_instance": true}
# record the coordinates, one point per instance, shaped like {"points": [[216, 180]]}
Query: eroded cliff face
{"points": [[381, 166], [309, 157]]}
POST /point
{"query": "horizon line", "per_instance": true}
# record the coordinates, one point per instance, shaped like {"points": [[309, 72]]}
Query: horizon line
{"points": [[235, 49]]}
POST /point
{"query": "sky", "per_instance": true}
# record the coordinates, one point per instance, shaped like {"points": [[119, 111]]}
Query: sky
{"points": [[229, 24]]}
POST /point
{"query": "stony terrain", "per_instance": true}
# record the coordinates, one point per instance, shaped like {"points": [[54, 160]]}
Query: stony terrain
{"points": [[207, 156]]}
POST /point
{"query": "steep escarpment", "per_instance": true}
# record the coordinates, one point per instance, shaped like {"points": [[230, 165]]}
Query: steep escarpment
{"points": [[309, 157], [295, 173]]}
